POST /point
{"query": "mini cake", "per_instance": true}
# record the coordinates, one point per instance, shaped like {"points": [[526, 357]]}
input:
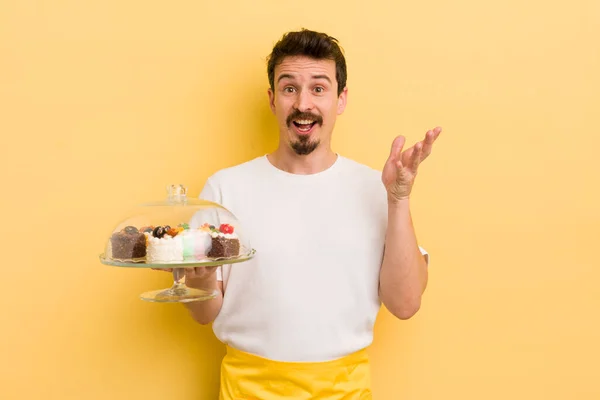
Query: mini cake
{"points": [[196, 242], [128, 244], [225, 243], [164, 244]]}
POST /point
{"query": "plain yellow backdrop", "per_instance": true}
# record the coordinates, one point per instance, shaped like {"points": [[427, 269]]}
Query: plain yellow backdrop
{"points": [[103, 103]]}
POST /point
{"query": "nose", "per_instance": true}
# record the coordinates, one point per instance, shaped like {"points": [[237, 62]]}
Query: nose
{"points": [[304, 101]]}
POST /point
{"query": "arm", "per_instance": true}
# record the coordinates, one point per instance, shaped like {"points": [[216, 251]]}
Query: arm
{"points": [[204, 312], [403, 276]]}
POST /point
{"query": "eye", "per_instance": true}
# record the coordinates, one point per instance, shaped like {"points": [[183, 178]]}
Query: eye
{"points": [[289, 89], [319, 89]]}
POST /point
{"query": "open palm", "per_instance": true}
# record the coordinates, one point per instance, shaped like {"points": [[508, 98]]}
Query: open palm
{"points": [[400, 169]]}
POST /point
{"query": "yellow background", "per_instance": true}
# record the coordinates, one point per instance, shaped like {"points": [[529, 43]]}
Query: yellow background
{"points": [[103, 103]]}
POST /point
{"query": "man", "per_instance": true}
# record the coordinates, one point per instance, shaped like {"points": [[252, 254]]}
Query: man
{"points": [[334, 240]]}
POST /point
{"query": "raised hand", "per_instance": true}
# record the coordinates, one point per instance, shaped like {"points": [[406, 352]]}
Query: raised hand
{"points": [[400, 169]]}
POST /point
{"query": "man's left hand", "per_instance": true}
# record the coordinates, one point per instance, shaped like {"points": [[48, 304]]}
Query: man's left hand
{"points": [[401, 167]]}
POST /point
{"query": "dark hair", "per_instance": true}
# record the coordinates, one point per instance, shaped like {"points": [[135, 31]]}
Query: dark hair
{"points": [[311, 44]]}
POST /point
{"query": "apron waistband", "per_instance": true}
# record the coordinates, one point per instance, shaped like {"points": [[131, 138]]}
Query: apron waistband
{"points": [[357, 357]]}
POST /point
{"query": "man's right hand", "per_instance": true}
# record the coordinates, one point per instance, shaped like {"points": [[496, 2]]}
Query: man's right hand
{"points": [[193, 273], [199, 273], [203, 312]]}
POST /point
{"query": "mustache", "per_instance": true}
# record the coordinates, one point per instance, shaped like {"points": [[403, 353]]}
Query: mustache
{"points": [[296, 114]]}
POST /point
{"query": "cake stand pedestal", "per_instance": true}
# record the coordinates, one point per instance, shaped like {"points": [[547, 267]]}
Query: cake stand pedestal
{"points": [[179, 292]]}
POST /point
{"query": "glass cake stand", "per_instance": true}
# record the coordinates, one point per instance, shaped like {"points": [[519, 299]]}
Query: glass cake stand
{"points": [[177, 233]]}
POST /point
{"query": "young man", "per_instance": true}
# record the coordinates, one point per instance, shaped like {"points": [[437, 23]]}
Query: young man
{"points": [[334, 240]]}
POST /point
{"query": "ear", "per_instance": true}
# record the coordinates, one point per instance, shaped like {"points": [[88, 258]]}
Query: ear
{"points": [[271, 99], [342, 101]]}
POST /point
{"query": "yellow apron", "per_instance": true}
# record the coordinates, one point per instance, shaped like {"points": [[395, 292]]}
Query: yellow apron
{"points": [[248, 377]]}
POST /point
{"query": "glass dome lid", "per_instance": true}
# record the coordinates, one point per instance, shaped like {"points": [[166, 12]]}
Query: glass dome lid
{"points": [[177, 232]]}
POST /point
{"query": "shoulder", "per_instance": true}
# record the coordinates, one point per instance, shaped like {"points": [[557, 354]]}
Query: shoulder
{"points": [[231, 177], [358, 171], [363, 180], [237, 172]]}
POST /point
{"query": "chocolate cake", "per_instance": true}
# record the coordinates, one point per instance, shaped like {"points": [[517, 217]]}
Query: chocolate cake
{"points": [[225, 243], [129, 243], [223, 247]]}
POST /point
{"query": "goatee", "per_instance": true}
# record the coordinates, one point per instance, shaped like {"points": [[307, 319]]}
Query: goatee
{"points": [[304, 146]]}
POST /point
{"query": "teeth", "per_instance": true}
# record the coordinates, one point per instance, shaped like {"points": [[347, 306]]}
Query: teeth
{"points": [[304, 122]]}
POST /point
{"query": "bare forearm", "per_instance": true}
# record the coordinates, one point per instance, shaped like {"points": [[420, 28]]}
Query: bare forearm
{"points": [[403, 275], [205, 312]]}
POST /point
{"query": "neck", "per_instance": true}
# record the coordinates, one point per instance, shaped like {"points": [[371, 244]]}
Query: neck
{"points": [[287, 160]]}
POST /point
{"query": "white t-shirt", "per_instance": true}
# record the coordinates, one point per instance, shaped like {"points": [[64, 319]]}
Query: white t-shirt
{"points": [[311, 291]]}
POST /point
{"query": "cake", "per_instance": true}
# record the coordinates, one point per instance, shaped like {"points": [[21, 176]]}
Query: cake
{"points": [[164, 244], [196, 242], [127, 244], [224, 242]]}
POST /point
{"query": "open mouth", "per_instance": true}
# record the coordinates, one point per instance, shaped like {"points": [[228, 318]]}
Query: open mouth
{"points": [[304, 125]]}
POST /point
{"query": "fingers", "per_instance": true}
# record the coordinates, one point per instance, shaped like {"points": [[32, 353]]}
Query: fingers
{"points": [[196, 272], [199, 272], [430, 137], [400, 141], [427, 144], [191, 273], [416, 157], [396, 149]]}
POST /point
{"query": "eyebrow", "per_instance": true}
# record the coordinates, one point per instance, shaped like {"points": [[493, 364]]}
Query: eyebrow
{"points": [[322, 77], [289, 76]]}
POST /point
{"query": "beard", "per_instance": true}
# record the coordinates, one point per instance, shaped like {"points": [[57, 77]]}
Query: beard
{"points": [[303, 145]]}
